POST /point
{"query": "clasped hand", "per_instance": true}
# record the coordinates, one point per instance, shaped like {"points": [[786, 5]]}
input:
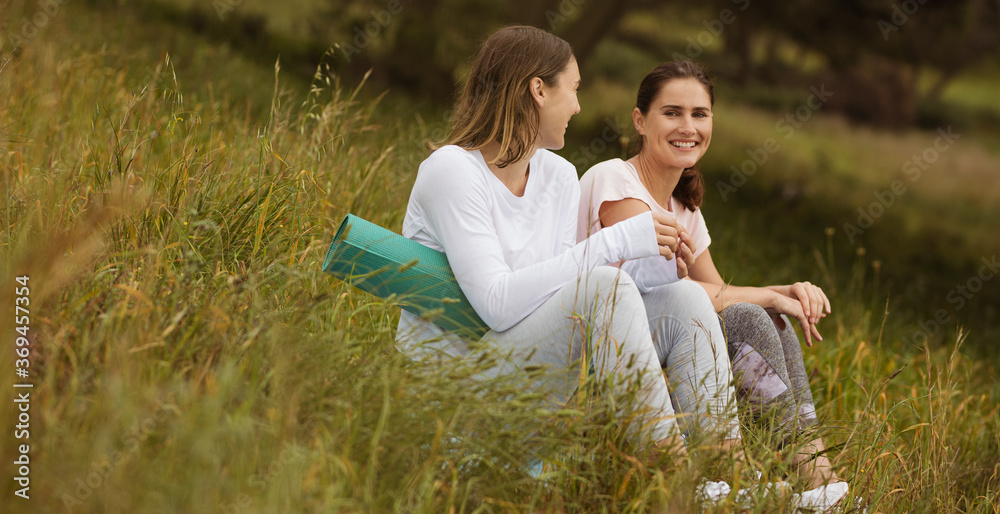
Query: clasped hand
{"points": [[674, 241]]}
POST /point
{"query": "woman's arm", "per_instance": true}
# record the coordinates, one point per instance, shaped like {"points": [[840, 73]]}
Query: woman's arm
{"points": [[654, 271], [772, 298], [456, 208], [723, 295], [814, 301]]}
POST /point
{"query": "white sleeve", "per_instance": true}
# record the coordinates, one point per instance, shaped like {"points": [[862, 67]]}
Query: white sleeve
{"points": [[570, 230], [456, 208], [649, 272]]}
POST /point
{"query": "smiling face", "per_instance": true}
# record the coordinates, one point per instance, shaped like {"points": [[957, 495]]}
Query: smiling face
{"points": [[677, 129], [557, 103]]}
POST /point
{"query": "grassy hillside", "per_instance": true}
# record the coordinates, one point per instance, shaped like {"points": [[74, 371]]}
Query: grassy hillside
{"points": [[170, 202]]}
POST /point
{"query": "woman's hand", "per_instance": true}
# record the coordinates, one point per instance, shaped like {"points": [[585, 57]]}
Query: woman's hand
{"points": [[782, 304], [685, 260], [685, 250], [813, 299], [668, 234], [814, 302], [674, 241]]}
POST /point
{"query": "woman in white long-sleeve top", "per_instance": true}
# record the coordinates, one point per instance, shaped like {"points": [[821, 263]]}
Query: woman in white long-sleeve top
{"points": [[503, 208]]}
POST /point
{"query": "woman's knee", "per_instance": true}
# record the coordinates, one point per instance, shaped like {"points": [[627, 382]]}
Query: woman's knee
{"points": [[604, 289], [748, 323], [609, 274], [684, 301], [746, 314], [610, 281], [696, 299]]}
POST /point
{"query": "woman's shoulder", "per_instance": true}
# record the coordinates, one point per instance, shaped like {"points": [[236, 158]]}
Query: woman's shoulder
{"points": [[613, 173], [555, 165], [450, 164], [450, 155], [610, 181], [612, 168]]}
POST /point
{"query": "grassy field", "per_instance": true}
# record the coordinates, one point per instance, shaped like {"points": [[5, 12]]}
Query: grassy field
{"points": [[170, 202]]}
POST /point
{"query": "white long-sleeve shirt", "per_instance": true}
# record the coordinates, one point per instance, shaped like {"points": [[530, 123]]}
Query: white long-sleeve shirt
{"points": [[509, 254]]}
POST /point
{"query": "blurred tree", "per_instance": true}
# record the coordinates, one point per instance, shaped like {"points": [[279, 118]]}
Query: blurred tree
{"points": [[876, 48], [424, 45], [398, 40], [949, 38], [596, 20]]}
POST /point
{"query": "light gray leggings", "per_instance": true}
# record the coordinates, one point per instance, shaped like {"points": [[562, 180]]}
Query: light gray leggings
{"points": [[767, 363], [625, 344], [692, 351], [594, 324]]}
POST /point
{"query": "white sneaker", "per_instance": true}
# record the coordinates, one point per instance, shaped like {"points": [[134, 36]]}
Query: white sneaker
{"points": [[712, 492], [823, 498]]}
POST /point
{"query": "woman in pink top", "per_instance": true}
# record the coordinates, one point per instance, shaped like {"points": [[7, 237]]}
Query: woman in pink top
{"points": [[673, 117]]}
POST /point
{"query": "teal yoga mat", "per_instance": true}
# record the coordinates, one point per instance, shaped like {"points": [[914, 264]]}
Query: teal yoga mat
{"points": [[384, 263]]}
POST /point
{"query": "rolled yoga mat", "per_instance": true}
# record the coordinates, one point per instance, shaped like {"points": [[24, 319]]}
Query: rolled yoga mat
{"points": [[384, 263]]}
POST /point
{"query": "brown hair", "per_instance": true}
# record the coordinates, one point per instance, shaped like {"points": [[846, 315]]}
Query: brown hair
{"points": [[495, 103], [690, 189]]}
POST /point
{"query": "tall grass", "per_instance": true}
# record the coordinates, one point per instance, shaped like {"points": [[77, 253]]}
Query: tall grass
{"points": [[188, 355]]}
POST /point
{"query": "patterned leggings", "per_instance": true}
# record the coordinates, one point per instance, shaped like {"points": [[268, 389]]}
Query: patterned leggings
{"points": [[767, 366]]}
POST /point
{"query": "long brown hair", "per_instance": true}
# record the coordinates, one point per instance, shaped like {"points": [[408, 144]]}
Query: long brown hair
{"points": [[495, 103], [690, 189]]}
